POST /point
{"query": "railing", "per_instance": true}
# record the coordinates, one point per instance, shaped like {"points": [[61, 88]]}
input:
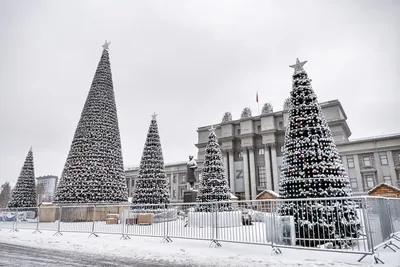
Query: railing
{"points": [[357, 225]]}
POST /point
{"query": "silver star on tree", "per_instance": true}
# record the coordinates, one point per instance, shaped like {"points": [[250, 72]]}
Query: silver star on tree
{"points": [[154, 116], [212, 129], [298, 66], [105, 45]]}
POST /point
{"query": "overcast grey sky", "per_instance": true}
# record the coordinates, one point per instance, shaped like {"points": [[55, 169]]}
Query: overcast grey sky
{"points": [[189, 61]]}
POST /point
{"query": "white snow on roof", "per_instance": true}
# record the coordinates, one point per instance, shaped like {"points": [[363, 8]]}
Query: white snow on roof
{"points": [[388, 185], [268, 191]]}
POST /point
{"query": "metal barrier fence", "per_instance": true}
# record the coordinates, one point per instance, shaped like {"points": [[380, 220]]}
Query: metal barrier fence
{"points": [[357, 225]]}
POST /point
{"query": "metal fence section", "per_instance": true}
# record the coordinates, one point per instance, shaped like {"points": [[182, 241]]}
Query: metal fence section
{"points": [[49, 218], [357, 225], [145, 220], [77, 218], [394, 213], [26, 218], [8, 218], [183, 225]]}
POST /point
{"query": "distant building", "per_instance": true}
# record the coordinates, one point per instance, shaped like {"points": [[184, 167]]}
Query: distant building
{"points": [[46, 187], [252, 149]]}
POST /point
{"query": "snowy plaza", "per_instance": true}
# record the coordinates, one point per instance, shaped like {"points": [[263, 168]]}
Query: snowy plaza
{"points": [[271, 188]]}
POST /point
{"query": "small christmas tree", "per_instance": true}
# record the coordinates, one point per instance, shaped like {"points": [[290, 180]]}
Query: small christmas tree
{"points": [[5, 194], [94, 171], [24, 193], [213, 186], [312, 168], [151, 186]]}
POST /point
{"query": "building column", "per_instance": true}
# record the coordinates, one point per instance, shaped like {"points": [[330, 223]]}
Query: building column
{"points": [[268, 170], [392, 169], [130, 187], [226, 164], [252, 174], [378, 167], [246, 174], [360, 178], [274, 164], [232, 171]]}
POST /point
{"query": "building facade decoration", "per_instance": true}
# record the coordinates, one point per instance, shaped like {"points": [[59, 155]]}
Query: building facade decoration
{"points": [[267, 108], [246, 113], [227, 117], [286, 104]]}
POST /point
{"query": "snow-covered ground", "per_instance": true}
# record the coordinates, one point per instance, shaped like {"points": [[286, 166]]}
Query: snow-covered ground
{"points": [[189, 251]]}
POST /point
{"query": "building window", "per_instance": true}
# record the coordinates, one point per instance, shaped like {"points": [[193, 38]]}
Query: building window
{"points": [[384, 159], [262, 176], [174, 178], [174, 193], [238, 131], [353, 182], [240, 155], [367, 161], [181, 192], [398, 178], [280, 124], [182, 178], [259, 128], [261, 151], [387, 180], [350, 162], [369, 181]]}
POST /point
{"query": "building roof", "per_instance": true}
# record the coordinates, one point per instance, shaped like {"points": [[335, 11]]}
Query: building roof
{"points": [[372, 138], [384, 184], [330, 103], [268, 191]]}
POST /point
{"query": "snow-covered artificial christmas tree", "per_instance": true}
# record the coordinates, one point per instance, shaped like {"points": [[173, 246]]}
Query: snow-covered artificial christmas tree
{"points": [[24, 193], [151, 185], [214, 185], [312, 168], [94, 172]]}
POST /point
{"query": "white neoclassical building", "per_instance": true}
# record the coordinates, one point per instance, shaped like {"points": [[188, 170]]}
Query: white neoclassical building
{"points": [[252, 149]]}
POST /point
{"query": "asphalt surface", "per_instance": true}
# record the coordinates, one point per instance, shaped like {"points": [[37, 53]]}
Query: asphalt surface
{"points": [[22, 256]]}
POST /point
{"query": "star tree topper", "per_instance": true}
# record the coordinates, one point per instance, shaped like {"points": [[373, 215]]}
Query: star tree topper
{"points": [[105, 45], [298, 66], [154, 116], [212, 129]]}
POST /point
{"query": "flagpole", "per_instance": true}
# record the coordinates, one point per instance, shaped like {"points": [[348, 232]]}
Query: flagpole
{"points": [[258, 103]]}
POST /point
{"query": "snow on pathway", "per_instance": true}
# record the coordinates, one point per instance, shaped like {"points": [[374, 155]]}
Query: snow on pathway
{"points": [[189, 251]]}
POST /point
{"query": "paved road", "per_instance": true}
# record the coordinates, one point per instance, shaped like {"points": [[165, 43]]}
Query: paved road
{"points": [[21, 256]]}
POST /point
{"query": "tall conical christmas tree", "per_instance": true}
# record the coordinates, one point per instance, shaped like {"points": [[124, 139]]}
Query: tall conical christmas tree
{"points": [[151, 185], [214, 185], [94, 169], [312, 168], [24, 193]]}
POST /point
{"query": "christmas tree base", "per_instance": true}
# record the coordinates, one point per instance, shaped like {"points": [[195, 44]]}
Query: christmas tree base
{"points": [[189, 196]]}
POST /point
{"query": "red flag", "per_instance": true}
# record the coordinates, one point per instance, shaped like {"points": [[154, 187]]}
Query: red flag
{"points": [[257, 97]]}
